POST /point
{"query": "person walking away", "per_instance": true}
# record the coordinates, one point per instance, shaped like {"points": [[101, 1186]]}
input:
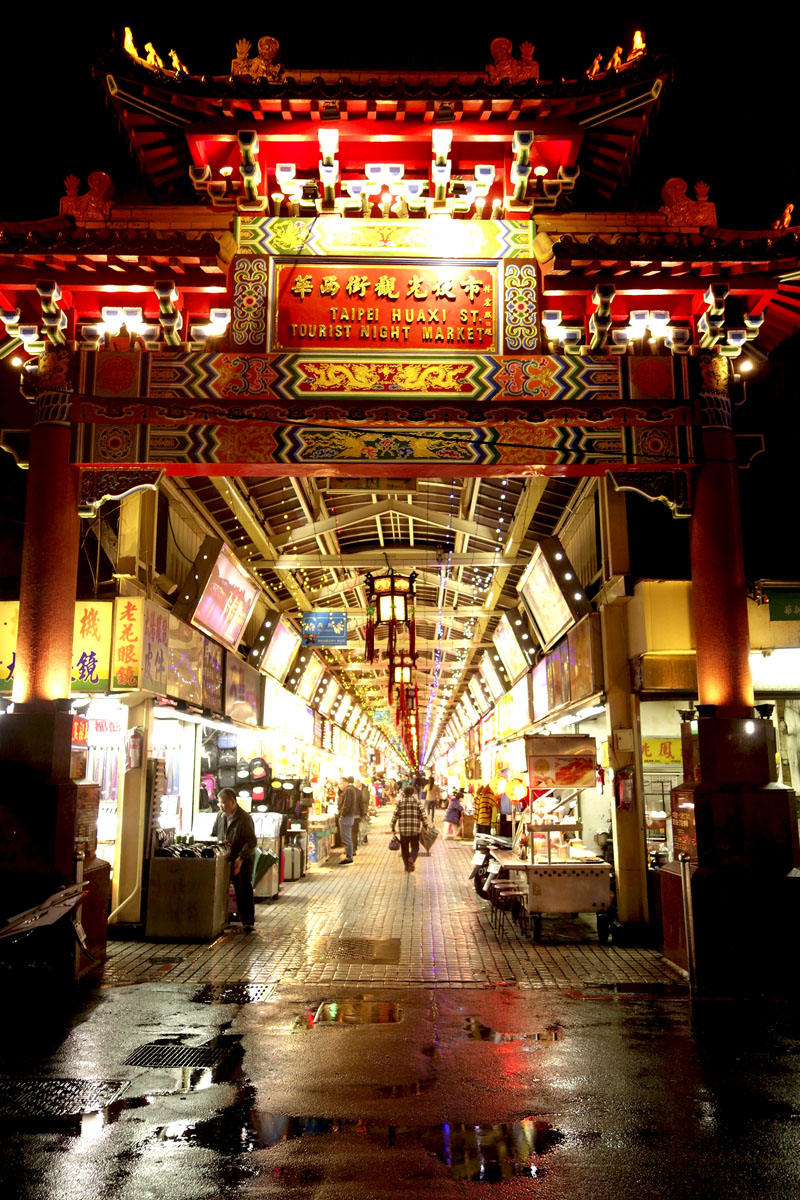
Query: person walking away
{"points": [[235, 826], [362, 811], [348, 808], [432, 797], [452, 818], [485, 809], [407, 820]]}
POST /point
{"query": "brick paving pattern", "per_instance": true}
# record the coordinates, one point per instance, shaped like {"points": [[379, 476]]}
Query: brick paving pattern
{"points": [[443, 929]]}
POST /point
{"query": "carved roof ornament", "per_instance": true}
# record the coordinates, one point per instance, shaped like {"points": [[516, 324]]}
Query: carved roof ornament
{"points": [[680, 210], [264, 65], [94, 205], [785, 219], [505, 66]]}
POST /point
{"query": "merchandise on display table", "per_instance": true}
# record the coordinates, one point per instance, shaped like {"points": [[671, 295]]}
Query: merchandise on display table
{"points": [[320, 839]]}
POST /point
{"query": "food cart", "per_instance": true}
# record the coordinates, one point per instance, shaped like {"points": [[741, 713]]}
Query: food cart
{"points": [[565, 878]]}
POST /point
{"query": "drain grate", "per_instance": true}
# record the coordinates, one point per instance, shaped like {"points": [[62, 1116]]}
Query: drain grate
{"points": [[235, 993], [342, 948], [157, 1054], [165, 958], [23, 1098]]}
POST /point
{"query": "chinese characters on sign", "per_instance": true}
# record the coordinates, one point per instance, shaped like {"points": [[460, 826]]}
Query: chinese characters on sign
{"points": [[127, 648], [324, 628], [155, 640], [784, 606], [333, 307], [91, 645]]}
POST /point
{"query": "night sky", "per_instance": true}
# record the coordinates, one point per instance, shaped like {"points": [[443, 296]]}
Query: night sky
{"points": [[726, 119]]}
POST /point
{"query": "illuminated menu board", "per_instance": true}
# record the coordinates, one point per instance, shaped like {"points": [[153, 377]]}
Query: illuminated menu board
{"points": [[315, 669], [281, 650], [489, 673], [344, 706], [509, 650]]}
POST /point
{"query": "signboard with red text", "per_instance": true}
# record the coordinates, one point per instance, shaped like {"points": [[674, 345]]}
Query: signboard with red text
{"points": [[339, 307]]}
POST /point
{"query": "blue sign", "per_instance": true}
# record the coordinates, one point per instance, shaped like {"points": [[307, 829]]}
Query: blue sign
{"points": [[324, 628]]}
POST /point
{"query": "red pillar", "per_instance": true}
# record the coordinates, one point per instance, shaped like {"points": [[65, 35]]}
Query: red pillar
{"points": [[49, 561], [718, 580]]}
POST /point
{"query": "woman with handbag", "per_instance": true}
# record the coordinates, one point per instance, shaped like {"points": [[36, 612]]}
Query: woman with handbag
{"points": [[407, 820]]}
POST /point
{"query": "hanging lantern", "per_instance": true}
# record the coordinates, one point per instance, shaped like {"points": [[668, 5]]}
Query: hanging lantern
{"points": [[391, 603], [516, 790]]}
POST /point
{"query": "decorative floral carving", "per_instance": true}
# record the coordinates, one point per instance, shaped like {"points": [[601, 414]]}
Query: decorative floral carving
{"points": [[263, 66], [505, 66], [680, 210]]}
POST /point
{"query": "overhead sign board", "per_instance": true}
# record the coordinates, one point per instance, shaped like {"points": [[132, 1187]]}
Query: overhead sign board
{"points": [[350, 307], [324, 628]]}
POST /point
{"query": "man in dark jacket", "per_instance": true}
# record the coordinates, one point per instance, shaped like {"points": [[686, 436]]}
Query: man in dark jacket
{"points": [[348, 811], [235, 826]]}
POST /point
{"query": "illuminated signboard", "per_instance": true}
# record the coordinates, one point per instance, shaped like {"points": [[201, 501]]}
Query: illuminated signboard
{"points": [[344, 705], [242, 690], [551, 592], [282, 648], [337, 307], [478, 694], [227, 600], [328, 699], [489, 673], [315, 669], [509, 649]]}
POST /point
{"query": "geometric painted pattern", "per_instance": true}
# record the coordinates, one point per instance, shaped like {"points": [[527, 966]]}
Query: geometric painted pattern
{"points": [[324, 236], [542, 378], [569, 449], [519, 308]]}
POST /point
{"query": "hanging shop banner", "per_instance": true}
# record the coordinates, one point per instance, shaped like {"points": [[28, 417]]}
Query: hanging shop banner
{"points": [[662, 750], [561, 761], [242, 690], [126, 652], [319, 721], [488, 728], [184, 662], [91, 645], [213, 662], [382, 717], [335, 306], [324, 628], [155, 649]]}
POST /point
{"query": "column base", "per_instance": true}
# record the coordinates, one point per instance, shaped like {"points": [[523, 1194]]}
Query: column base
{"points": [[743, 929]]}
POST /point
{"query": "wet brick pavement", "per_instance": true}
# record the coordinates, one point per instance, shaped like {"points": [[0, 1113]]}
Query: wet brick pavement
{"points": [[445, 937]]}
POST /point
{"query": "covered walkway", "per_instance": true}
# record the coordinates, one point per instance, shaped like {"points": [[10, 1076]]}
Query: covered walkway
{"points": [[374, 924]]}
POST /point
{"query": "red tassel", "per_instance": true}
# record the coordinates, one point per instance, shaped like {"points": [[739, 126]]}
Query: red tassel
{"points": [[412, 635]]}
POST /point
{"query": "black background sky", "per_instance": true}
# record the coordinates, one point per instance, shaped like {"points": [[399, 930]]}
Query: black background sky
{"points": [[728, 118]]}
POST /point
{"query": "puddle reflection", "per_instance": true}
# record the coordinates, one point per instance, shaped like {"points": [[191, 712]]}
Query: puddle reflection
{"points": [[472, 1153]]}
